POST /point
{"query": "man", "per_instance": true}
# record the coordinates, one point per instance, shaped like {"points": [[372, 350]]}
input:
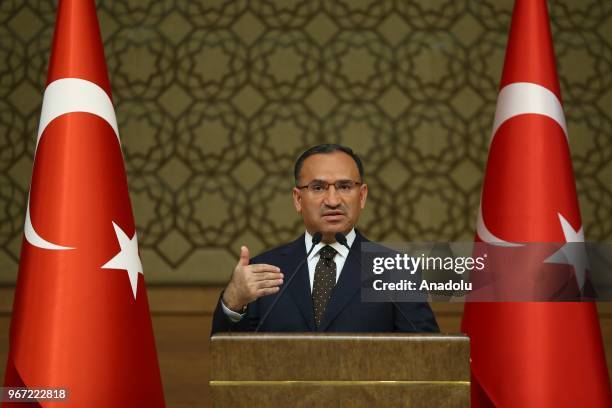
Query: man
{"points": [[325, 294]]}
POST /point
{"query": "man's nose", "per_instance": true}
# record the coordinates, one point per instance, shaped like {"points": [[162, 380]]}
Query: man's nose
{"points": [[332, 197]]}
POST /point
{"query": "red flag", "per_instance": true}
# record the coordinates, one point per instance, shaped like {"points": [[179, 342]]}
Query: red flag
{"points": [[533, 354], [81, 316]]}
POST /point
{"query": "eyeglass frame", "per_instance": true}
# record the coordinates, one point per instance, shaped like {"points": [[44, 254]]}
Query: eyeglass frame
{"points": [[328, 184]]}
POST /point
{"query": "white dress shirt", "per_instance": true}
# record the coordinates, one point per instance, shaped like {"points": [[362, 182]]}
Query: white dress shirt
{"points": [[339, 259]]}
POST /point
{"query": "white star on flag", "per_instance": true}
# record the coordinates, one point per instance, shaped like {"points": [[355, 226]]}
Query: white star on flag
{"points": [[127, 258], [572, 253]]}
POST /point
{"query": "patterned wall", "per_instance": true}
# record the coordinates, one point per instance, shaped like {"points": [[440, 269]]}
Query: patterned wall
{"points": [[216, 99]]}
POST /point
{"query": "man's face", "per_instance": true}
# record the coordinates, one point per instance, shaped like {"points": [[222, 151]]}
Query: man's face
{"points": [[331, 211]]}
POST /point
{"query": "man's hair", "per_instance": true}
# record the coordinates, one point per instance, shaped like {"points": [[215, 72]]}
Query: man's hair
{"points": [[325, 149]]}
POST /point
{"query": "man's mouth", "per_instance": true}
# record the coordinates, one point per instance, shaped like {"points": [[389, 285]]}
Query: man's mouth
{"points": [[333, 215]]}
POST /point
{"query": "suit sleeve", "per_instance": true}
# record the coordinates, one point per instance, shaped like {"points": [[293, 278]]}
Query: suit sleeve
{"points": [[415, 317], [222, 323]]}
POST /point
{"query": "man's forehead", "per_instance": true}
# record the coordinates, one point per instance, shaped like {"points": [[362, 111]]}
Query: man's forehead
{"points": [[330, 165]]}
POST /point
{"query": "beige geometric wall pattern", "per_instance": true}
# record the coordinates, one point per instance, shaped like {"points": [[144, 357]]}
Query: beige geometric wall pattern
{"points": [[216, 99]]}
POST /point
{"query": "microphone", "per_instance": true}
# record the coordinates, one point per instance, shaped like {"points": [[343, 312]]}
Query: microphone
{"points": [[316, 238], [341, 239]]}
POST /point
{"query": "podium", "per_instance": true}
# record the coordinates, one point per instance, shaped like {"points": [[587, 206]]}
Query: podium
{"points": [[339, 370]]}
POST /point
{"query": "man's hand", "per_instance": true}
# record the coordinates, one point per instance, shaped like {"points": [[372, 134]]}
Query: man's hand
{"points": [[250, 282]]}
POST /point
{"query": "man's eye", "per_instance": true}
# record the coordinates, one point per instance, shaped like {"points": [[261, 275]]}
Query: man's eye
{"points": [[318, 187], [345, 186]]}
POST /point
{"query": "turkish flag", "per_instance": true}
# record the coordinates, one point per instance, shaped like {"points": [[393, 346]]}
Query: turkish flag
{"points": [[533, 354], [81, 316]]}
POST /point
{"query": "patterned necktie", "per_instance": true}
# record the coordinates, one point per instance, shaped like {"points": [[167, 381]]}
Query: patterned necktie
{"points": [[324, 282]]}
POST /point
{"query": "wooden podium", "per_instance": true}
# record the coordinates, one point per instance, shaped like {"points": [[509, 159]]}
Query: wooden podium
{"points": [[340, 370]]}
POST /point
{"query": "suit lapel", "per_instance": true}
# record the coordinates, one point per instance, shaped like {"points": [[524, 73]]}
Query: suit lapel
{"points": [[300, 287], [348, 284]]}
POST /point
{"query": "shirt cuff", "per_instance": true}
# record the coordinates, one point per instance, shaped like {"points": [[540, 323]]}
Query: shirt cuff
{"points": [[235, 317]]}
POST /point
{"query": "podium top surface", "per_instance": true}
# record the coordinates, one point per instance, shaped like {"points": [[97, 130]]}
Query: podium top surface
{"points": [[410, 337]]}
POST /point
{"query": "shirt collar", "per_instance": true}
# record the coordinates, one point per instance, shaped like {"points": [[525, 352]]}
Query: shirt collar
{"points": [[341, 249]]}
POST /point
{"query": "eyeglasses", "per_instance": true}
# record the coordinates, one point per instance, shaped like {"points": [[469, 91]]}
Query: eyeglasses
{"points": [[319, 187]]}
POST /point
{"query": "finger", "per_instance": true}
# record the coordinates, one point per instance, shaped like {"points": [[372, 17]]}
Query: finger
{"points": [[271, 283], [263, 268], [268, 291], [244, 256], [268, 276]]}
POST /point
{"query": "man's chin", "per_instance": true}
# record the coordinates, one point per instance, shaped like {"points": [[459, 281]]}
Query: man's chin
{"points": [[329, 234]]}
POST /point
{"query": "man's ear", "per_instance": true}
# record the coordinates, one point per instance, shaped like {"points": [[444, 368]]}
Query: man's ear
{"points": [[297, 199], [363, 194]]}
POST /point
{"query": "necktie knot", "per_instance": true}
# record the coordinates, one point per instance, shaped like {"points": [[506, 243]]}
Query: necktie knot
{"points": [[327, 253]]}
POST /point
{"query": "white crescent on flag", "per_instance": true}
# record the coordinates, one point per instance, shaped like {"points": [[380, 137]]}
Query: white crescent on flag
{"points": [[61, 97], [520, 98]]}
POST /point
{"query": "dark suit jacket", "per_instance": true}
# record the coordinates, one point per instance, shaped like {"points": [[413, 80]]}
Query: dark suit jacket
{"points": [[345, 311]]}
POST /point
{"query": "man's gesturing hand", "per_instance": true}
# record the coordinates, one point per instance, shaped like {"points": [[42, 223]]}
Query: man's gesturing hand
{"points": [[250, 282]]}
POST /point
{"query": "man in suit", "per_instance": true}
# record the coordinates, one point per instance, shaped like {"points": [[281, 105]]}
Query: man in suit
{"points": [[325, 294]]}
